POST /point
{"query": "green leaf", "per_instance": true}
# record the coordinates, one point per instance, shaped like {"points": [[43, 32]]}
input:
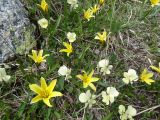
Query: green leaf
{"points": [[108, 117]]}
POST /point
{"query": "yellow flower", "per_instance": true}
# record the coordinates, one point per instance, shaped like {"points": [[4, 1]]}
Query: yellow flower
{"points": [[44, 92], [43, 6], [101, 2], [146, 77], [102, 37], [95, 8], [87, 80], [37, 56], [157, 69], [68, 50], [154, 2], [43, 23], [88, 14]]}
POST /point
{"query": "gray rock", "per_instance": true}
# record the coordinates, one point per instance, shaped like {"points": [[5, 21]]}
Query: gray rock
{"points": [[15, 30]]}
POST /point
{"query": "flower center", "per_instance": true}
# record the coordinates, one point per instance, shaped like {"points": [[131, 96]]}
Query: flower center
{"points": [[87, 79], [44, 94]]}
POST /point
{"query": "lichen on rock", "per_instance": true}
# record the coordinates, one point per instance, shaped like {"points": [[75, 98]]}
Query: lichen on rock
{"points": [[16, 32]]}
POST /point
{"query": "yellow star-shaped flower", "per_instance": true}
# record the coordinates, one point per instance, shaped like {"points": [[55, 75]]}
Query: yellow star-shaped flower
{"points": [[146, 77], [38, 56], [102, 37], [87, 79], [44, 92], [68, 50], [88, 14], [43, 6]]}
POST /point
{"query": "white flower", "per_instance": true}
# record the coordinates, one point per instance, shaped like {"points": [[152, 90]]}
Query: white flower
{"points": [[71, 36], [112, 91], [130, 76], [122, 109], [87, 98], [131, 112], [109, 95], [127, 114], [73, 3], [64, 71], [43, 23], [104, 66], [3, 75]]}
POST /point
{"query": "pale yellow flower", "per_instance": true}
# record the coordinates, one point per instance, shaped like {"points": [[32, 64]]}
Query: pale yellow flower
{"points": [[43, 6], [44, 92], [88, 14], [87, 79], [109, 95], [87, 98], [68, 50], [64, 71], [130, 76], [73, 3], [3, 75], [38, 56], [43, 23], [102, 37], [104, 66], [127, 114], [71, 36], [155, 2], [146, 77]]}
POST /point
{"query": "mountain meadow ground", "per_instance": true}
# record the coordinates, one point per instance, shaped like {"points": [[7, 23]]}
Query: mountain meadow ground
{"points": [[93, 60]]}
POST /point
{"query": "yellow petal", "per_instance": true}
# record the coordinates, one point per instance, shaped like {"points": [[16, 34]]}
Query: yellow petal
{"points": [[36, 99], [92, 86], [80, 77], [46, 101], [85, 85], [43, 83], [91, 74], [64, 50], [40, 53], [149, 75], [155, 68], [94, 79], [32, 57], [35, 88], [34, 53], [51, 86], [68, 54], [65, 44], [45, 56], [149, 81], [56, 94]]}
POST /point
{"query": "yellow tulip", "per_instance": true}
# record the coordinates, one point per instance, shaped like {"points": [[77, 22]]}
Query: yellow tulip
{"points": [[38, 56], [87, 79], [146, 77], [44, 92], [68, 50], [102, 37], [88, 14], [43, 6]]}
